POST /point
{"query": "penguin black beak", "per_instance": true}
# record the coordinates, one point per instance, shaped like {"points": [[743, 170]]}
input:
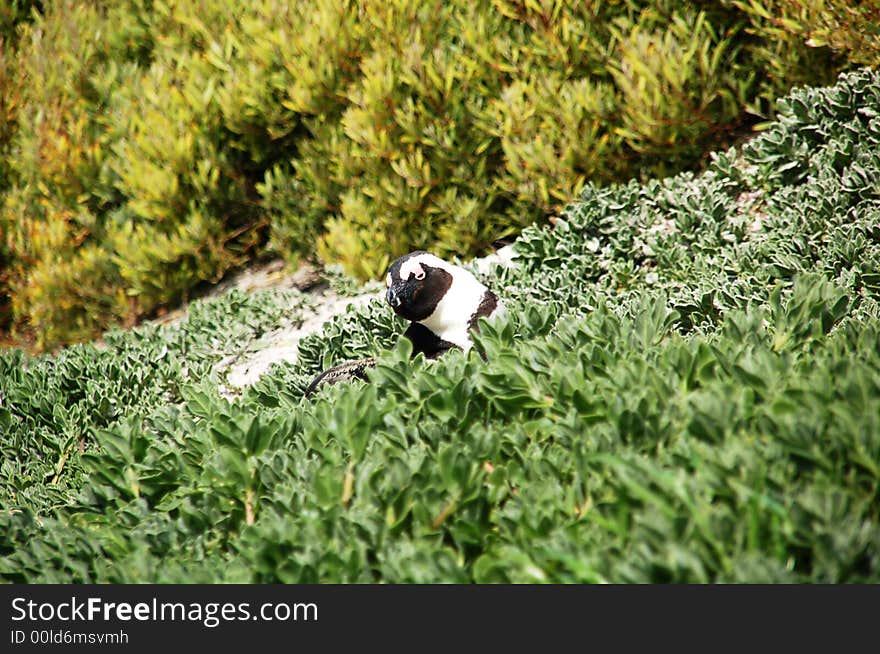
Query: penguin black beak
{"points": [[392, 298]]}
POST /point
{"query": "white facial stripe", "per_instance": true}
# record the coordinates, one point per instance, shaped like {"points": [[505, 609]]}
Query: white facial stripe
{"points": [[413, 265], [388, 280]]}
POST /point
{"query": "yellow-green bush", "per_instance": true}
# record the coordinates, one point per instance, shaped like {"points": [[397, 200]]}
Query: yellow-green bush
{"points": [[13, 12], [787, 44], [9, 98], [49, 214], [149, 145], [849, 28]]}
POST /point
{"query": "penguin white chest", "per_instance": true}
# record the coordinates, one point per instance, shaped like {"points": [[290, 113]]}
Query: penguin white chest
{"points": [[450, 319]]}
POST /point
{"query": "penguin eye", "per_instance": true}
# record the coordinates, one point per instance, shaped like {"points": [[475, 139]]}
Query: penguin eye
{"points": [[420, 274]]}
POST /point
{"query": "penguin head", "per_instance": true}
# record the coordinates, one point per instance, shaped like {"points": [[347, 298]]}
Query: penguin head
{"points": [[416, 283]]}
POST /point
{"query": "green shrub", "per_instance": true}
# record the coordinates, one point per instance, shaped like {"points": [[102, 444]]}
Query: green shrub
{"points": [[845, 27], [686, 390], [51, 220], [151, 146], [9, 97], [13, 12], [478, 119]]}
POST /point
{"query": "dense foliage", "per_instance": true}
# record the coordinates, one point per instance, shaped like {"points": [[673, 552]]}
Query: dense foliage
{"points": [[150, 145], [687, 389], [845, 27]]}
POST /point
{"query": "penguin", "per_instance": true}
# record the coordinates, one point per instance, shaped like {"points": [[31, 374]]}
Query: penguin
{"points": [[442, 302]]}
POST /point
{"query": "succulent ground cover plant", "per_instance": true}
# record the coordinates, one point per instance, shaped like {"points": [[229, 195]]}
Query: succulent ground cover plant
{"points": [[687, 389]]}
